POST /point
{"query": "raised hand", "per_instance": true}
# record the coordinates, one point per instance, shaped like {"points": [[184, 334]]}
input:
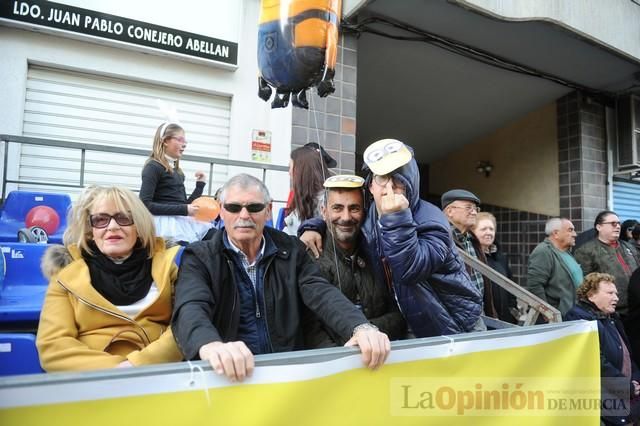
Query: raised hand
{"points": [[391, 202]]}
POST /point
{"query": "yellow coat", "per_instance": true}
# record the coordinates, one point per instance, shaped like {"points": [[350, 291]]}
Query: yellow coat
{"points": [[80, 330]]}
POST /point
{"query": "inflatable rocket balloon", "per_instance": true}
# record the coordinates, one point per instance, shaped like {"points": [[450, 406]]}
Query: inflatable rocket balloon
{"points": [[297, 48]]}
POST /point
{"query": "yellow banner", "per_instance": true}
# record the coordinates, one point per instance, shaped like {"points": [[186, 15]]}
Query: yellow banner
{"points": [[546, 377]]}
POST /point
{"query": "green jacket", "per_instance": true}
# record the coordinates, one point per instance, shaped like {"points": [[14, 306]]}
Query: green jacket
{"points": [[549, 278], [596, 256]]}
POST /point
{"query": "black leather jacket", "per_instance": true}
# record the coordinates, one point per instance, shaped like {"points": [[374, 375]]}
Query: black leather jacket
{"points": [[205, 308]]}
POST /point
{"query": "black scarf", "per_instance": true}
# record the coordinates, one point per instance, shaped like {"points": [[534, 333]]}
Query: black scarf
{"points": [[121, 284]]}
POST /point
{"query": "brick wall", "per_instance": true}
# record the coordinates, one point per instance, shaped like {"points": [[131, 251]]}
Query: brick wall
{"points": [[582, 149], [331, 121], [582, 163], [517, 233]]}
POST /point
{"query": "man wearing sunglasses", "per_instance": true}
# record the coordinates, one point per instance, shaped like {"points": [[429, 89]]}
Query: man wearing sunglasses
{"points": [[608, 254], [410, 241], [247, 290]]}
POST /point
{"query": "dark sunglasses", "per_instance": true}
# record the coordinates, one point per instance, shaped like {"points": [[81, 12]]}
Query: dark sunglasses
{"points": [[102, 220], [251, 208]]}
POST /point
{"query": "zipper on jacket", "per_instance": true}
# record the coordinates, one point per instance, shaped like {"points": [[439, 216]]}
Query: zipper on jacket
{"points": [[106, 311], [257, 305], [264, 281], [235, 294]]}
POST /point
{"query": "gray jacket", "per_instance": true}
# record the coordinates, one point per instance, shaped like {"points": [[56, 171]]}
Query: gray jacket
{"points": [[549, 278], [596, 256]]}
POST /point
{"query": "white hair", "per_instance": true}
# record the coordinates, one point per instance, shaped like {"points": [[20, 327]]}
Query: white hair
{"points": [[553, 224]]}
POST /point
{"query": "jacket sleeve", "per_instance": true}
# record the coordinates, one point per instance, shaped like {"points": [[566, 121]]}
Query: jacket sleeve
{"points": [[151, 174], [538, 273], [392, 323], [197, 192], [316, 224], [194, 306], [323, 299], [164, 349], [413, 251], [57, 340], [584, 258]]}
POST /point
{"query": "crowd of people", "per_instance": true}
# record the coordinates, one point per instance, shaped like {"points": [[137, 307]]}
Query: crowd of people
{"points": [[373, 263]]}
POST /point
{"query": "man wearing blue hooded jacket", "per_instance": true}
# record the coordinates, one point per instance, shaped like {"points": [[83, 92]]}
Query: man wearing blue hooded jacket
{"points": [[412, 240]]}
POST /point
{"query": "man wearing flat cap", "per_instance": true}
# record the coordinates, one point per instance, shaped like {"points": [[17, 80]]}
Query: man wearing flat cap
{"points": [[345, 262], [461, 208], [411, 241]]}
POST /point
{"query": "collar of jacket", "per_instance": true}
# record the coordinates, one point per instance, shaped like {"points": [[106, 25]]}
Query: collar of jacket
{"points": [[76, 278], [589, 306], [277, 238]]}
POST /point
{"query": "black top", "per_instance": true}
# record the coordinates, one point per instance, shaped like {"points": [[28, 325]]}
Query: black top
{"points": [[163, 193], [632, 321], [504, 302]]}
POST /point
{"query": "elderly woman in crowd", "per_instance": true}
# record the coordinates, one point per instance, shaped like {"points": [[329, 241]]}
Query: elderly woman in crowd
{"points": [[109, 299], [597, 299], [485, 231]]}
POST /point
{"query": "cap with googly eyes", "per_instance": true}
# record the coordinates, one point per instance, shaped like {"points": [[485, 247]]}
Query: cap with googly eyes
{"points": [[386, 155], [344, 181]]}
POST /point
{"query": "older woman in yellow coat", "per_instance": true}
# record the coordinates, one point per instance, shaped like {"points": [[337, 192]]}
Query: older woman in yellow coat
{"points": [[109, 299]]}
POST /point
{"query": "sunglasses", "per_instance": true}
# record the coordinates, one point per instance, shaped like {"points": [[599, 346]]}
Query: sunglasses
{"points": [[237, 208], [102, 220]]}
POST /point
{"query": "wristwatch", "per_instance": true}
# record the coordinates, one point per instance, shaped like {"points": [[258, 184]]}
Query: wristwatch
{"points": [[364, 326]]}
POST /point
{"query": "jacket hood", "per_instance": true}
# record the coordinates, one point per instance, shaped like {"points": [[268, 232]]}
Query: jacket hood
{"points": [[57, 256], [409, 175]]}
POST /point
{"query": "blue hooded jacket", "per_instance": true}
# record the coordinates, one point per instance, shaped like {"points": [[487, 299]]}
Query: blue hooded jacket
{"points": [[419, 259], [431, 285]]}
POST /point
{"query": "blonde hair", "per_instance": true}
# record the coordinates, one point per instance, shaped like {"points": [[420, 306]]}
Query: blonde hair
{"points": [[591, 284], [485, 216], [79, 230], [164, 132]]}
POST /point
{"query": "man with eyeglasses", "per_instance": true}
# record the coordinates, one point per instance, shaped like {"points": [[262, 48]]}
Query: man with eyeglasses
{"points": [[608, 254], [345, 263], [247, 290], [410, 243], [461, 208]]}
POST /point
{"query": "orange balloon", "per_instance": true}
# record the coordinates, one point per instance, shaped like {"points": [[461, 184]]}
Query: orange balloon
{"points": [[208, 210]]}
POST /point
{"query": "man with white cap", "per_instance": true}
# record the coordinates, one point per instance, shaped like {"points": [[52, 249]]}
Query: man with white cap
{"points": [[345, 262], [416, 254]]}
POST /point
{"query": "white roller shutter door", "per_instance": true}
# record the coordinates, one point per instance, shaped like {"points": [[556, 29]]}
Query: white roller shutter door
{"points": [[626, 199], [99, 110]]}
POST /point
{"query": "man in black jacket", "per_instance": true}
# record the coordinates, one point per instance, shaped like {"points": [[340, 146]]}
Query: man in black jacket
{"points": [[345, 263], [246, 290]]}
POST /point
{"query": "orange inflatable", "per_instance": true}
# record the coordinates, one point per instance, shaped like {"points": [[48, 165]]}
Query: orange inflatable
{"points": [[209, 208]]}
